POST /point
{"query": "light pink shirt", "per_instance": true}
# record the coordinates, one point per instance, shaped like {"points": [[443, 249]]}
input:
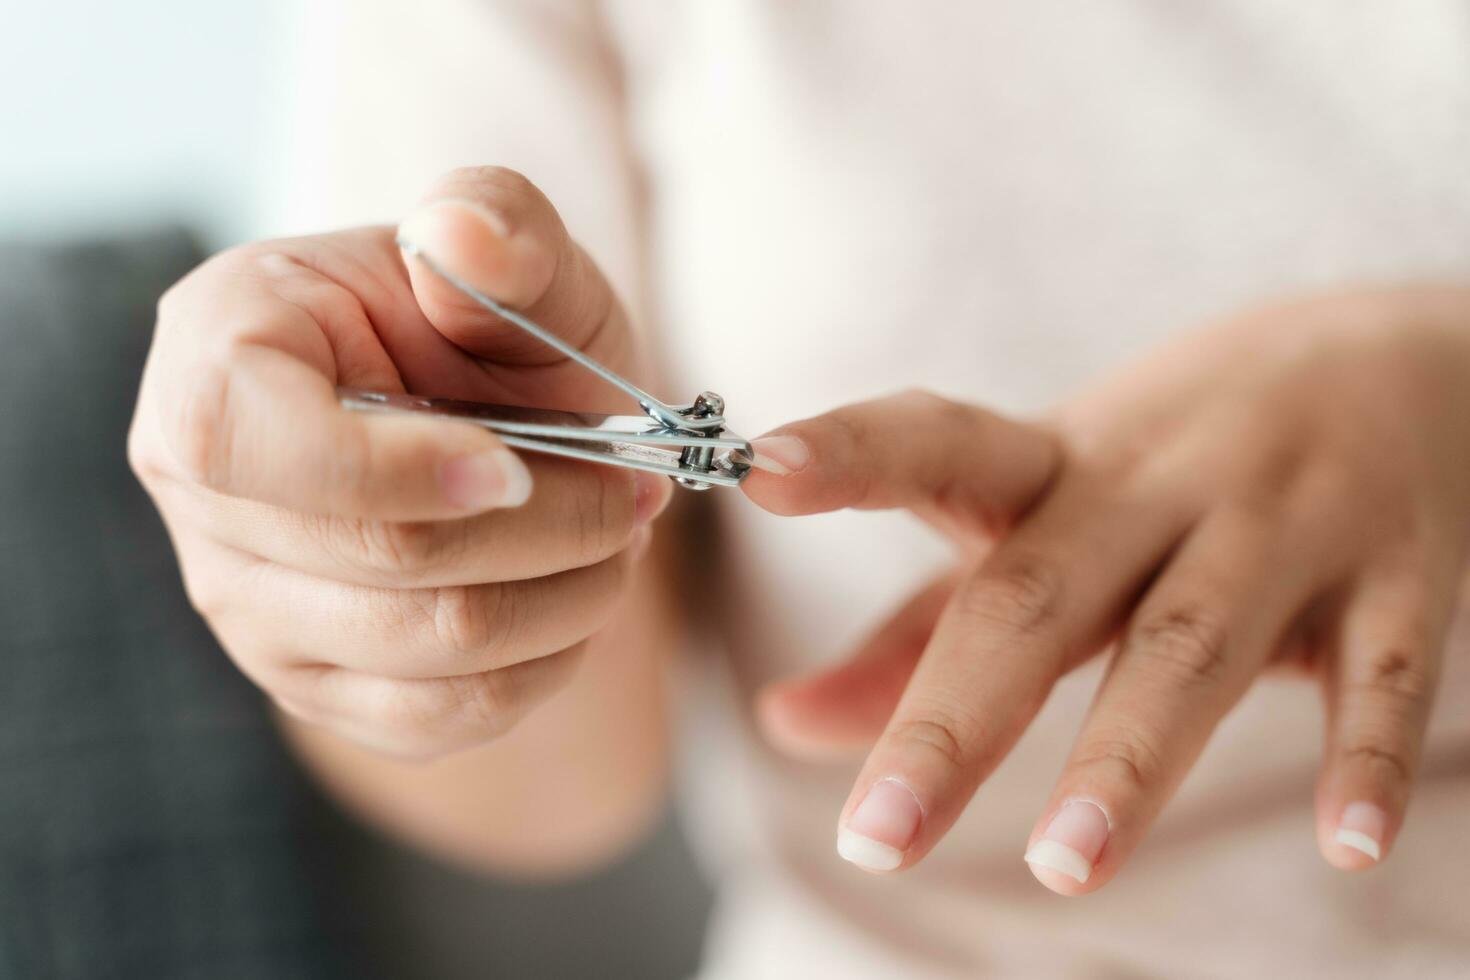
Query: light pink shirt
{"points": [[816, 202]]}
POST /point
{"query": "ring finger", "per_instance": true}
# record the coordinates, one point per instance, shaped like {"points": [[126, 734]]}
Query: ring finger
{"points": [[414, 633], [1192, 647], [424, 717]]}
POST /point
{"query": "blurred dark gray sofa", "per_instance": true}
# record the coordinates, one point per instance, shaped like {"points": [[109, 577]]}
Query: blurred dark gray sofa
{"points": [[151, 824]]}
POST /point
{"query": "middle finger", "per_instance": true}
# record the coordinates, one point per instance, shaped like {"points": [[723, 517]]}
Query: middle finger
{"points": [[579, 514], [1044, 600]]}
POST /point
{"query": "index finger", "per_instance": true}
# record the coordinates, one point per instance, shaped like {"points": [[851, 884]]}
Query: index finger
{"points": [[247, 416], [941, 458]]}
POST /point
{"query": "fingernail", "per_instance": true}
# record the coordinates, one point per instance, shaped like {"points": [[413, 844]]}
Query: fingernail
{"points": [[651, 494], [1361, 827], [436, 227], [781, 455], [496, 478], [1072, 841], [882, 827]]}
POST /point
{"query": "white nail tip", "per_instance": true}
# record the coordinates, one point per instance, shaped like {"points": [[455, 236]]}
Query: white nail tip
{"points": [[1358, 841], [867, 853], [768, 464], [1059, 857]]}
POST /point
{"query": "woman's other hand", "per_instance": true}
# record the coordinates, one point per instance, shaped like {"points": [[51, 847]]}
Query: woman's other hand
{"points": [[1290, 485]]}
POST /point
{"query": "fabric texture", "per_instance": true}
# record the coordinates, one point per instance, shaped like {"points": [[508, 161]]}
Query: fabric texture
{"points": [[148, 822]]}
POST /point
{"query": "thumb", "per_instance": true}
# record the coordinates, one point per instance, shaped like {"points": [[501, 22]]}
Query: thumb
{"points": [[957, 465], [493, 229]]}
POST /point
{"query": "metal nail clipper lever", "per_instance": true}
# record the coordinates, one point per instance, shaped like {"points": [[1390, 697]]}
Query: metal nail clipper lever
{"points": [[688, 443]]}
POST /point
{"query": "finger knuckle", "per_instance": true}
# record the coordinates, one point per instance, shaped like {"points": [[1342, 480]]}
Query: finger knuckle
{"points": [[390, 727], [1379, 754], [484, 703], [1022, 596], [968, 421], [943, 731], [411, 715], [948, 485], [849, 436], [1123, 755], [1399, 677], [466, 620], [937, 408], [406, 550], [1187, 645], [376, 714], [425, 720], [1278, 474]]}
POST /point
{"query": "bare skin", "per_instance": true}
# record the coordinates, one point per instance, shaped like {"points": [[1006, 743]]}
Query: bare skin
{"points": [[1289, 484], [395, 585], [477, 665]]}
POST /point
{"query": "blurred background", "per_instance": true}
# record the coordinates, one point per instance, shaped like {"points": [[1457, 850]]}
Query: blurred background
{"points": [[151, 825], [123, 115]]}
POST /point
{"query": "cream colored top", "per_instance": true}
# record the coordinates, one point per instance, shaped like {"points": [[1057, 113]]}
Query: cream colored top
{"points": [[816, 202]]}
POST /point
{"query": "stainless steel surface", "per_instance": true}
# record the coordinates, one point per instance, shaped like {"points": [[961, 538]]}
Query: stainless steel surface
{"points": [[632, 441], [689, 443], [670, 415]]}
